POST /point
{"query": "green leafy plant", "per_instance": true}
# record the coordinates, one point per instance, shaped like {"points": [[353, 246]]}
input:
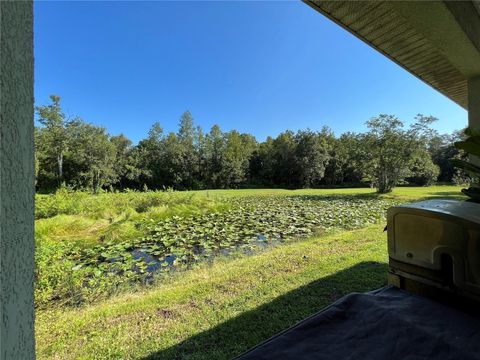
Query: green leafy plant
{"points": [[75, 273], [471, 146]]}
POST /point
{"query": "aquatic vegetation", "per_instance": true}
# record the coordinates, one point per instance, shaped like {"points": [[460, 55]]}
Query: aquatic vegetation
{"points": [[247, 225]]}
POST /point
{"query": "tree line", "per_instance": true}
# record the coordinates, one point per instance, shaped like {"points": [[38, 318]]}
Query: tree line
{"points": [[71, 152]]}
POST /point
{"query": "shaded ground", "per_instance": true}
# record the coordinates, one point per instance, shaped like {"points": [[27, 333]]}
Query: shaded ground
{"points": [[253, 327]]}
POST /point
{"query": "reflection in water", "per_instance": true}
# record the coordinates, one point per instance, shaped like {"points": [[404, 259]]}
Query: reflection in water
{"points": [[155, 263]]}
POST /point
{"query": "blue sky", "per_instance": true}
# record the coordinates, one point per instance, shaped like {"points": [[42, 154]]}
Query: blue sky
{"points": [[259, 67]]}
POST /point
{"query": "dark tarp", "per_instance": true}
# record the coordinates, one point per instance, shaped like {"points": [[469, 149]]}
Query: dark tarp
{"points": [[384, 324]]}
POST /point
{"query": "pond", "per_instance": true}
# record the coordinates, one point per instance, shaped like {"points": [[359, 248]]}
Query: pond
{"points": [[250, 224]]}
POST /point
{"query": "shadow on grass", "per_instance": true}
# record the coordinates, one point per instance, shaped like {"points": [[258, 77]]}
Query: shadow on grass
{"points": [[451, 195], [328, 197], [239, 334]]}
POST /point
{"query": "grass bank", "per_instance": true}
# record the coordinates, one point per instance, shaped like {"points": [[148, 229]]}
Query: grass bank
{"points": [[218, 311], [404, 192]]}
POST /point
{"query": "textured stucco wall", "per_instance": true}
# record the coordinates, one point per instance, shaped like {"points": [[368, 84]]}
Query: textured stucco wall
{"points": [[16, 181], [474, 102]]}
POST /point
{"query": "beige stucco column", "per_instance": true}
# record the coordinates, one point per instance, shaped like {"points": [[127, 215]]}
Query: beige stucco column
{"points": [[474, 102], [474, 109], [16, 181]]}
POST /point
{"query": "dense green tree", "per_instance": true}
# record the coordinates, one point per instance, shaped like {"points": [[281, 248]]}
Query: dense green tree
{"points": [[334, 170], [127, 163], [174, 165], [283, 167], [261, 166], [81, 155], [149, 156], [94, 156], [354, 149], [235, 159], [390, 152], [200, 150], [396, 154], [423, 171], [442, 150], [214, 150], [53, 138], [311, 157], [187, 163]]}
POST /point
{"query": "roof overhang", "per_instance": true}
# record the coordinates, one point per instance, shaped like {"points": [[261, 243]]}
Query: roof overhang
{"points": [[437, 41]]}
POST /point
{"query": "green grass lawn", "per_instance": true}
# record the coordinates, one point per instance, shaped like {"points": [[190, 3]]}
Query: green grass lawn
{"points": [[407, 193], [218, 310]]}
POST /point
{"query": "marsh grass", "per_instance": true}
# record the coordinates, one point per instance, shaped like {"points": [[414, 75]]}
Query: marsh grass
{"points": [[69, 221], [109, 205]]}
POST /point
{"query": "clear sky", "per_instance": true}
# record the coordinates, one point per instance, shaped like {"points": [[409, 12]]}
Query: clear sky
{"points": [[258, 67]]}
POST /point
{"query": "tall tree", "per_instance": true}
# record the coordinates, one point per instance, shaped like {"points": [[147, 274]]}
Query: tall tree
{"points": [[311, 157], [54, 133], [283, 167], [390, 151], [214, 150], [94, 156], [127, 162], [261, 166], [235, 159], [187, 136], [334, 170], [175, 172], [150, 155], [423, 171], [442, 150], [353, 150], [200, 151]]}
